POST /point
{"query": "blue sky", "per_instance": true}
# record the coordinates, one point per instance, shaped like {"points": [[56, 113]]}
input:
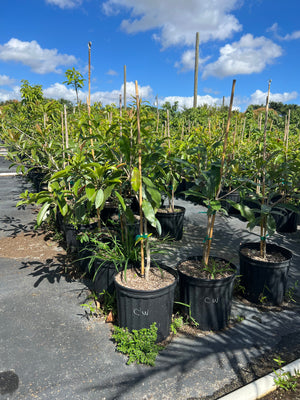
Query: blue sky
{"points": [[251, 41]]}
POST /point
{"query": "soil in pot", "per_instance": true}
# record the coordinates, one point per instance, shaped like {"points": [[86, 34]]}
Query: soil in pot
{"points": [[141, 302], [171, 222], [208, 297], [264, 280]]}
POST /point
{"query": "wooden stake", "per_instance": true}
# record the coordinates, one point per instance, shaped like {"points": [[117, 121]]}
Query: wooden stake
{"points": [[89, 101], [63, 138], [124, 87], [211, 218], [196, 70], [140, 172], [263, 245]]}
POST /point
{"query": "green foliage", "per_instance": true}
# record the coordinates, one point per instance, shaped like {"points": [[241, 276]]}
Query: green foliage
{"points": [[214, 269], [139, 345], [75, 79], [176, 324], [290, 292], [285, 380]]}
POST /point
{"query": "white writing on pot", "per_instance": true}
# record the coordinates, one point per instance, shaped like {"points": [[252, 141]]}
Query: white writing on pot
{"points": [[140, 313], [209, 300]]}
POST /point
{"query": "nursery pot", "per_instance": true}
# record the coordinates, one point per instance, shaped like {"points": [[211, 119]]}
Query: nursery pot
{"points": [[102, 274], [209, 300], [262, 279], [234, 196], [138, 309], [71, 231], [171, 223], [286, 222]]}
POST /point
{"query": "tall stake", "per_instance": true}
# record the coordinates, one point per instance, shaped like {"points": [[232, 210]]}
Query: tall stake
{"points": [[196, 70], [140, 172], [211, 218], [263, 246], [124, 87], [89, 100]]}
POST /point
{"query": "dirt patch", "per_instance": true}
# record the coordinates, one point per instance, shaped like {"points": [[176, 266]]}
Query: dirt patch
{"points": [[34, 245]]}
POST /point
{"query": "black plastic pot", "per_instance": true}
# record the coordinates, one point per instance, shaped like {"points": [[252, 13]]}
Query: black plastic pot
{"points": [[71, 231], [102, 274], [234, 196], [171, 223], [138, 309], [209, 300], [286, 222], [264, 280]]}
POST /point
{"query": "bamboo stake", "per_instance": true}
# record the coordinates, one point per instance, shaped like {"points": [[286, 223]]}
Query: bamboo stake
{"points": [[140, 173], [196, 70], [211, 218], [89, 101], [263, 245], [157, 114], [125, 87], [63, 138], [286, 137], [168, 129], [66, 127]]}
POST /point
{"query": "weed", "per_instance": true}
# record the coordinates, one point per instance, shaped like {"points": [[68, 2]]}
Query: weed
{"points": [[139, 345], [285, 380], [176, 324], [290, 292], [91, 309]]}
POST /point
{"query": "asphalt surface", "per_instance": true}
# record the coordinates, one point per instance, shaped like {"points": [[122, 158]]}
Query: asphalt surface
{"points": [[49, 350]]}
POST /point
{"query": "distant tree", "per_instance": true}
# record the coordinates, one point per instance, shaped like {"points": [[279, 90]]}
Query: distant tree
{"points": [[75, 79], [31, 93]]}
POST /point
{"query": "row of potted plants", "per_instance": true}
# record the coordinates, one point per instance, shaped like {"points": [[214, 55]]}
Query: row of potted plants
{"points": [[114, 164]]}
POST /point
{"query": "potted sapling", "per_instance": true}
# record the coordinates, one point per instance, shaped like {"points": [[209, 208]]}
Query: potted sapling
{"points": [[206, 281], [145, 292]]}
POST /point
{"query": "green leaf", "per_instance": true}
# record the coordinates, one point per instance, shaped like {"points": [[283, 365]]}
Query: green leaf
{"points": [[76, 186], [135, 179], [90, 192], [99, 198], [121, 200], [42, 214]]}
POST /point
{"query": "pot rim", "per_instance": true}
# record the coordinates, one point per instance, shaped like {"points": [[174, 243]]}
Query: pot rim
{"points": [[171, 270], [288, 254], [223, 279]]}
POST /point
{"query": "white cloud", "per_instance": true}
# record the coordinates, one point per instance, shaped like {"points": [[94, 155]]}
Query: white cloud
{"points": [[13, 94], [290, 36], [177, 20], [259, 97], [65, 3], [187, 61], [247, 56], [40, 60], [58, 91], [188, 101], [6, 80], [111, 72]]}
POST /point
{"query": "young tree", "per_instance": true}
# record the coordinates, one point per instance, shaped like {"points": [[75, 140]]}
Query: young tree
{"points": [[75, 79]]}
